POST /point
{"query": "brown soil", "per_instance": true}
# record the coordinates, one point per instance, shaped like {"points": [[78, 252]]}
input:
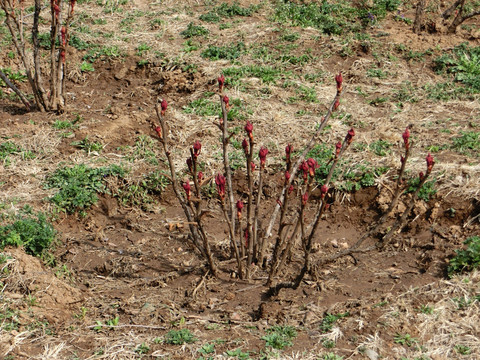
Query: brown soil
{"points": [[136, 264]]}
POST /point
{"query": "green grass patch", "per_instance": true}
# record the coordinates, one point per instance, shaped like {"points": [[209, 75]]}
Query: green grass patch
{"points": [[180, 337], [226, 52], [193, 30], [463, 64], [142, 192], [33, 232], [333, 18], [347, 176], [279, 337], [468, 143], [225, 10], [426, 192], [79, 185], [467, 259], [329, 320], [268, 74]]}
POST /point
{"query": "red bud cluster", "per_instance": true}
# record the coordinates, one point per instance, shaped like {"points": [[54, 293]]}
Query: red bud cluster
{"points": [[158, 130], [197, 147], [200, 176], [406, 136], [163, 106], [226, 100], [430, 162], [56, 8], [339, 80], [72, 6], [323, 190], [336, 104], [288, 152], [249, 129], [239, 208], [252, 166], [304, 198], [338, 148], [245, 146], [262, 154], [287, 177], [187, 188], [220, 181], [312, 165], [350, 135], [221, 82], [305, 169]]}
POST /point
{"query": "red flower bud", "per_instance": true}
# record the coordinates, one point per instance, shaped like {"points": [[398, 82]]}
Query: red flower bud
{"points": [[197, 146], [164, 105], [338, 148], [304, 198], [200, 176], [305, 169], [72, 5], [287, 177], [288, 152], [290, 189], [249, 129], [336, 104], [262, 154], [350, 135], [339, 80], [245, 146], [220, 182], [312, 165], [406, 136], [221, 82], [64, 35], [226, 100], [239, 208], [430, 162], [187, 188], [158, 130], [421, 175], [252, 166], [323, 190]]}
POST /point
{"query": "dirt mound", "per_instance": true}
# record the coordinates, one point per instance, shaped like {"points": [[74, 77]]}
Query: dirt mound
{"points": [[29, 280]]}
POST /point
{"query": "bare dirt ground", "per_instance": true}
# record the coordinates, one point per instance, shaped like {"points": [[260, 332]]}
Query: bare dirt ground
{"points": [[125, 277]]}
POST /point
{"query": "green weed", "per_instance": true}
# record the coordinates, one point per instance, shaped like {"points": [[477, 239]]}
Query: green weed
{"points": [[142, 349], [87, 145], [194, 30], [78, 186], [102, 53], [468, 143], [463, 63], [238, 353], [279, 337], [426, 192], [34, 233], [466, 260], [463, 349], [268, 74], [380, 147], [329, 320], [332, 356], [406, 339], [141, 193], [226, 10], [227, 52], [179, 337]]}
